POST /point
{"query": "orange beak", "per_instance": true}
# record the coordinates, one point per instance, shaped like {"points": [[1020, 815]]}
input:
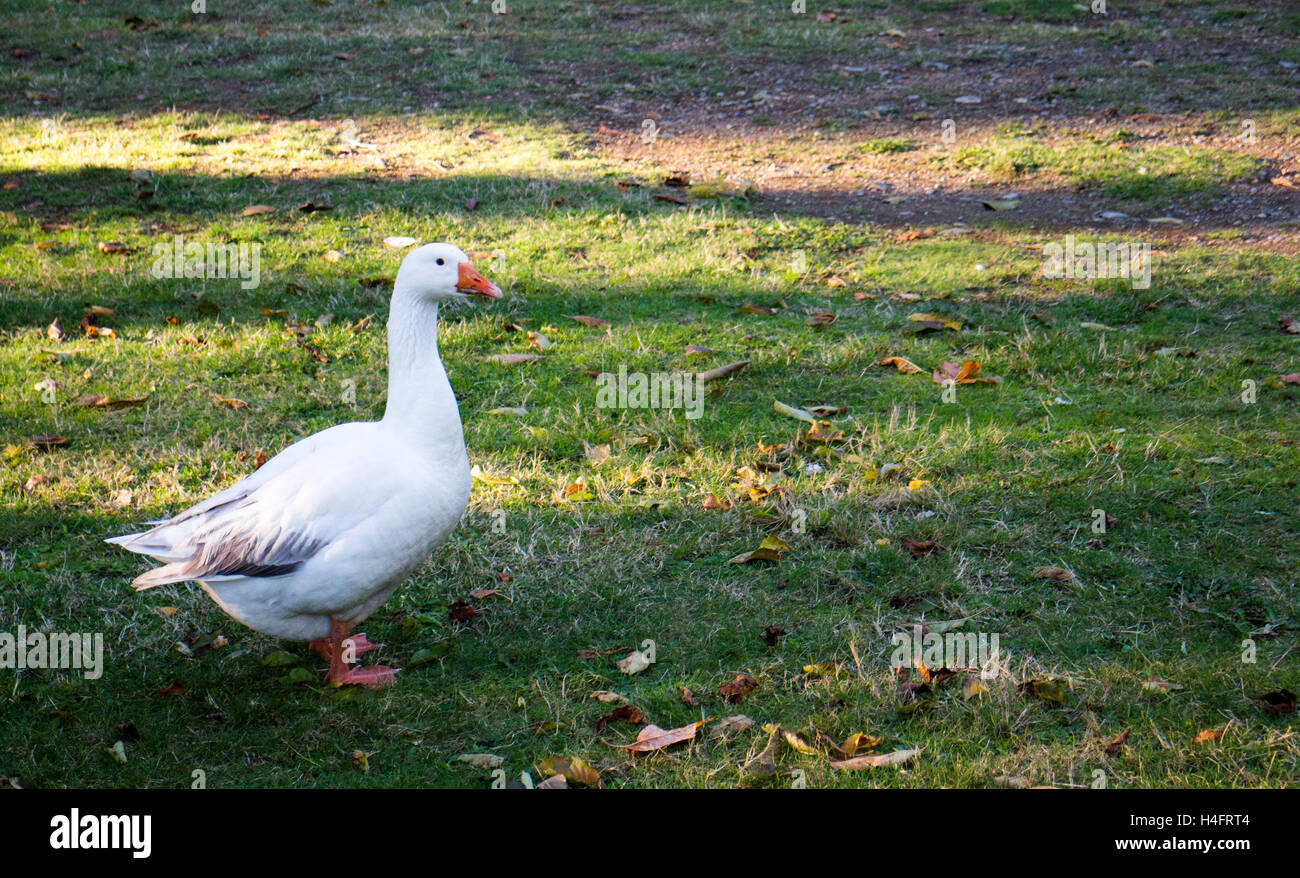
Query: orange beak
{"points": [[475, 284]]}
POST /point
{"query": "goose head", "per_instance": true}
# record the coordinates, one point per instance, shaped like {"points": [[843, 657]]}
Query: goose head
{"points": [[436, 272]]}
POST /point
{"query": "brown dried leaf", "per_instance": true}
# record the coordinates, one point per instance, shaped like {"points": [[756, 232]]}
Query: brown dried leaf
{"points": [[921, 549], [1281, 702], [735, 691], [625, 713]]}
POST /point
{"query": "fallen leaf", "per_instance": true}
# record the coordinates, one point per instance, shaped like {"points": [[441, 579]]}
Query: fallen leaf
{"points": [[1155, 684], [571, 768], [1289, 325], [460, 611], [945, 322], [397, 242], [105, 402], [1048, 689], [1117, 744], [772, 635], [735, 691], [1056, 574], [921, 549], [966, 373], [652, 737], [172, 691], [722, 371], [903, 365], [769, 550], [54, 332], [34, 482], [634, 662], [857, 763], [1205, 736], [230, 401], [821, 431], [856, 742], [1281, 702], [482, 760], [711, 502], [688, 698], [625, 713], [792, 412], [257, 210], [729, 724]]}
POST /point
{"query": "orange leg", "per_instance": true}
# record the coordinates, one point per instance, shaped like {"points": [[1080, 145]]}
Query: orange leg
{"points": [[335, 647]]}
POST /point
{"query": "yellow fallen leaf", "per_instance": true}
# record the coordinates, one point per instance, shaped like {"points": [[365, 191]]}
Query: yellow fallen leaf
{"points": [[572, 768], [903, 365], [948, 322], [768, 550]]}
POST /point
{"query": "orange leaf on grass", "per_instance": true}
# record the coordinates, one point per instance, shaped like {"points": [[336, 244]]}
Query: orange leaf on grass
{"points": [[966, 373], [904, 365]]}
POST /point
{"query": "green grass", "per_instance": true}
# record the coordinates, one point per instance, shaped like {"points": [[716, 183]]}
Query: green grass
{"points": [[885, 145], [1202, 485], [1114, 166]]}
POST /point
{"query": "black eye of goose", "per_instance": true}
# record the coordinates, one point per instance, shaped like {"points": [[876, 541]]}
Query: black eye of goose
{"points": [[441, 261]]}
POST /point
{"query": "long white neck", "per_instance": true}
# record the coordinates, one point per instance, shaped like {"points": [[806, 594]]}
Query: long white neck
{"points": [[421, 403]]}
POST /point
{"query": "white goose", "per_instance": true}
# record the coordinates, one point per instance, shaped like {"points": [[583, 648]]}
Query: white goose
{"points": [[319, 537]]}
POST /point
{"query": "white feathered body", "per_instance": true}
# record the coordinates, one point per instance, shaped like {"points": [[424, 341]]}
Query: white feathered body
{"points": [[375, 509], [332, 525]]}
